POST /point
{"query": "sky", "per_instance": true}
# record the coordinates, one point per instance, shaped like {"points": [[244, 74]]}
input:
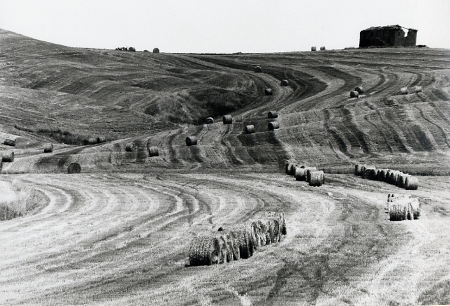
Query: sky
{"points": [[221, 26]]}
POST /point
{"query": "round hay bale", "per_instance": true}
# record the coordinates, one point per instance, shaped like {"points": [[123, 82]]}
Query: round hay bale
{"points": [[359, 169], [249, 129], [313, 48], [404, 90], [354, 94], [204, 250], [8, 157], [155, 50], [393, 176], [227, 119], [10, 142], [101, 139], [48, 148], [74, 168], [398, 211], [152, 151], [414, 207], [191, 141], [209, 120], [322, 48], [244, 239], [411, 183], [273, 125], [398, 179], [284, 83], [92, 141], [381, 176], [301, 173], [316, 178], [359, 89], [272, 114], [418, 89], [369, 173], [290, 168], [129, 147], [268, 91], [258, 69], [402, 180]]}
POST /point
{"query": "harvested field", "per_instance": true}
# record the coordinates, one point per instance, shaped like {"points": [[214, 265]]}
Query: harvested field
{"points": [[118, 232]]}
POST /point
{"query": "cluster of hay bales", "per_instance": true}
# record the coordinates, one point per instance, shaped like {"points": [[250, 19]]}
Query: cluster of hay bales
{"points": [[415, 89], [10, 142], [359, 90], [8, 157], [238, 241], [394, 177], [311, 175], [402, 207], [131, 49]]}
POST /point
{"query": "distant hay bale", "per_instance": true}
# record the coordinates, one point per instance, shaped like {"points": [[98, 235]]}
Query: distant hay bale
{"points": [[101, 139], [10, 142], [155, 50], [273, 125], [315, 178], [227, 119], [290, 168], [354, 94], [92, 141], [48, 148], [258, 69], [411, 183], [268, 91], [249, 129], [152, 150], [74, 168], [191, 141], [272, 114], [132, 49], [129, 147], [418, 89], [359, 89], [284, 83], [322, 48], [8, 157], [204, 250], [359, 169], [404, 90], [209, 120], [313, 48], [301, 173], [369, 173]]}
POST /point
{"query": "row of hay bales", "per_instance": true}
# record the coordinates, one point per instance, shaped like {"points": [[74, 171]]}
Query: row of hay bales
{"points": [[95, 140], [237, 241], [402, 207], [151, 150], [406, 90], [305, 173], [268, 91], [393, 177], [313, 48]]}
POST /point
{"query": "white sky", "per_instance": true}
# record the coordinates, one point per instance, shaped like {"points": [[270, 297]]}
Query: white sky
{"points": [[217, 26]]}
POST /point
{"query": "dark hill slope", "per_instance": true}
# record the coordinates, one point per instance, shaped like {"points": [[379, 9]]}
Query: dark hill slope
{"points": [[150, 97]]}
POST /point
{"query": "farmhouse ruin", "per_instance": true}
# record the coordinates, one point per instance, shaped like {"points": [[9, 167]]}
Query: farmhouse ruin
{"points": [[387, 36]]}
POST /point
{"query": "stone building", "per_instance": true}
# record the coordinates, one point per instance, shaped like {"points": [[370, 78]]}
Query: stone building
{"points": [[388, 36]]}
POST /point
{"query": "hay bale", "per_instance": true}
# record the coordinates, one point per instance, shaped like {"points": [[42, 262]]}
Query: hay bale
{"points": [[300, 173], [48, 148], [414, 209], [268, 91], [243, 239], [411, 183], [273, 125], [359, 169], [101, 139], [404, 90], [258, 69], [398, 179], [191, 141], [398, 211], [249, 129], [313, 48], [129, 147], [402, 180], [227, 119], [418, 89], [359, 89], [272, 114], [204, 250], [354, 94], [370, 173], [381, 175], [155, 50], [316, 178], [322, 48], [10, 142], [284, 83], [152, 151], [92, 141], [209, 120], [8, 157], [290, 168], [74, 168]]}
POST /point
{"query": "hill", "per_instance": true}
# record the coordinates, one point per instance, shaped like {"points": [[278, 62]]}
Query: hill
{"points": [[67, 95]]}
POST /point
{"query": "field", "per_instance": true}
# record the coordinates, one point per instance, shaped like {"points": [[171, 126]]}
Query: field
{"points": [[118, 233]]}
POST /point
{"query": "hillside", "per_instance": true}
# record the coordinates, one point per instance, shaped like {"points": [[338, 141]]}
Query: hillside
{"points": [[72, 94]]}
